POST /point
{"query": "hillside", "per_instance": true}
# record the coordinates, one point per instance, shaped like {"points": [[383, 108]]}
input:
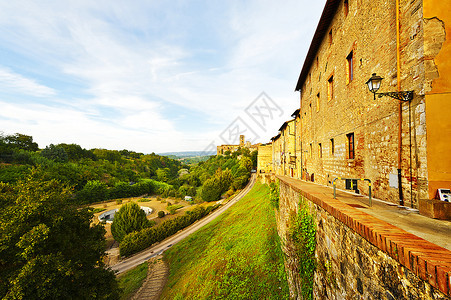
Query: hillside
{"points": [[237, 256]]}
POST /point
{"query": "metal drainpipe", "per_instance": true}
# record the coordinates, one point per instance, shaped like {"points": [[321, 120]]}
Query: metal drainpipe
{"points": [[295, 157], [300, 129], [398, 79]]}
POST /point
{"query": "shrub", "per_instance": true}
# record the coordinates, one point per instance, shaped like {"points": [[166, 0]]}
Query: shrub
{"points": [[161, 214], [140, 240], [128, 219]]}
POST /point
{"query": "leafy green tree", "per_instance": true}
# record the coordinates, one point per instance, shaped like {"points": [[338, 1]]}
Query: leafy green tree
{"points": [[129, 218], [163, 174], [93, 191], [210, 190], [247, 163], [55, 153], [21, 141], [76, 152], [48, 248], [254, 155]]}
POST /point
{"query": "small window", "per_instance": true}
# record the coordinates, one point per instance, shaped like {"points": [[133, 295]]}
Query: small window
{"points": [[349, 67], [320, 150], [351, 146], [332, 146], [330, 88], [317, 102], [311, 150], [346, 7], [317, 62], [330, 37]]}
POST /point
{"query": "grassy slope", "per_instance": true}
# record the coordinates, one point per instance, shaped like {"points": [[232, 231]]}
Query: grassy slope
{"points": [[237, 256], [132, 280]]}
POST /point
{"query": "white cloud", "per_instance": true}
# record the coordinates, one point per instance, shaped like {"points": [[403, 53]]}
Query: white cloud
{"points": [[16, 83], [135, 61]]}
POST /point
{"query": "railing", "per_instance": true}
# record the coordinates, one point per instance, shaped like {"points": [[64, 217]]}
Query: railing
{"points": [[362, 179]]}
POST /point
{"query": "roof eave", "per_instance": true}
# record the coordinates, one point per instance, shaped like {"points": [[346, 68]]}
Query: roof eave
{"points": [[326, 18]]}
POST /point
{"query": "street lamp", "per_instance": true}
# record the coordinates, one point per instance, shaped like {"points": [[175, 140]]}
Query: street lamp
{"points": [[374, 83]]}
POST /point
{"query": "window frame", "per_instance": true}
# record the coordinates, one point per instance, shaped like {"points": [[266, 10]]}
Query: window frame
{"points": [[330, 88], [350, 67], [350, 139], [318, 102], [332, 146]]}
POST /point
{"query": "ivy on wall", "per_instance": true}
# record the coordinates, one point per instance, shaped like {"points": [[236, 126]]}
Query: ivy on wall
{"points": [[302, 233], [274, 194]]}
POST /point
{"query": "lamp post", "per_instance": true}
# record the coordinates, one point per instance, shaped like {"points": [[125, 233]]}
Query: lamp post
{"points": [[374, 83]]}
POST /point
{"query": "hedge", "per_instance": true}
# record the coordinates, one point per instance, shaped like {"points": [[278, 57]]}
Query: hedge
{"points": [[140, 240]]}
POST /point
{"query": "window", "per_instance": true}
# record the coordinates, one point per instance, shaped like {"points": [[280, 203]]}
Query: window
{"points": [[330, 88], [320, 150], [330, 37], [346, 7], [332, 146], [317, 62], [311, 150], [351, 152], [317, 102], [349, 67]]}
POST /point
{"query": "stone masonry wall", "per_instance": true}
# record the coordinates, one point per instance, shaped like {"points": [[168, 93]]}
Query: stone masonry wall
{"points": [[333, 106], [349, 266]]}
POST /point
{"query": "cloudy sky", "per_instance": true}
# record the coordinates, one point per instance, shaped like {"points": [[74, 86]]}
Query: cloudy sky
{"points": [[150, 75]]}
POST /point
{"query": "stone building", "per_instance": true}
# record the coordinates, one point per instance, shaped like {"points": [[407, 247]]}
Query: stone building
{"points": [[346, 131], [343, 130], [222, 149], [264, 158]]}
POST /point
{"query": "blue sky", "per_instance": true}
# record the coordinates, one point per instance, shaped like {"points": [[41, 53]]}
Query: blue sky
{"points": [[149, 76]]}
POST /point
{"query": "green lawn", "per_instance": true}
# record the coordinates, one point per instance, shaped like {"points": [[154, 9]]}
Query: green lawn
{"points": [[237, 256], [131, 281]]}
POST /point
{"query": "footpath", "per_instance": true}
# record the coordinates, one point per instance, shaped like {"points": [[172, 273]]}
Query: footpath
{"points": [[421, 244]]}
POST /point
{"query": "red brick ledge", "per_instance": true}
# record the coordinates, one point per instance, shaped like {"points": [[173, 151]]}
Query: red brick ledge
{"points": [[428, 261]]}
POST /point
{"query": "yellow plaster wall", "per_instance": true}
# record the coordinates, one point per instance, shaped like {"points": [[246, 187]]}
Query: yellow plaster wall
{"points": [[438, 100], [438, 112], [442, 11]]}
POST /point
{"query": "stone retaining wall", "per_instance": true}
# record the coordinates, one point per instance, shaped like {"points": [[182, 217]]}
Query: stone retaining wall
{"points": [[361, 257]]}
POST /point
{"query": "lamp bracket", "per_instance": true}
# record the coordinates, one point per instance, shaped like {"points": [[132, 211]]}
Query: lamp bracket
{"points": [[402, 95]]}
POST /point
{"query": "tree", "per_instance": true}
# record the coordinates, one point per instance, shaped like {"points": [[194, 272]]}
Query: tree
{"points": [[55, 153], [76, 152], [22, 141], [48, 248], [254, 156], [129, 218], [163, 174], [93, 191], [247, 163]]}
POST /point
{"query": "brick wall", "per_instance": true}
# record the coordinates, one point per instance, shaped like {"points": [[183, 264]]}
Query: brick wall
{"points": [[361, 257]]}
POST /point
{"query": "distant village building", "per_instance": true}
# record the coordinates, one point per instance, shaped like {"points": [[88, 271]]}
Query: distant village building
{"points": [[343, 130], [221, 150], [264, 158]]}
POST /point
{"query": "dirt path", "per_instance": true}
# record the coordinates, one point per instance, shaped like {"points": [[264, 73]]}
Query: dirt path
{"points": [[157, 276]]}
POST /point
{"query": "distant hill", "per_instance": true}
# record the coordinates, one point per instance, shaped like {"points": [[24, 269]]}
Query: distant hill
{"points": [[188, 153]]}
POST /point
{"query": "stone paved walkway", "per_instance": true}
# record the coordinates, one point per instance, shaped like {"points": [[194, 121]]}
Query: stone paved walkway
{"points": [[156, 279]]}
